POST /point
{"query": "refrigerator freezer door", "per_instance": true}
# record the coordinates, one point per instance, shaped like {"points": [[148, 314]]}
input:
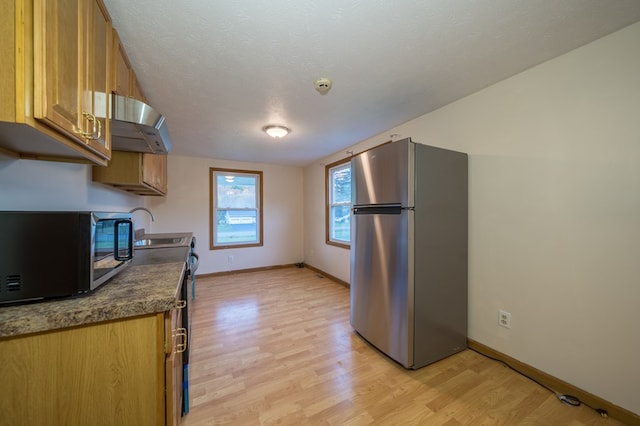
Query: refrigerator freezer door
{"points": [[381, 297], [384, 175]]}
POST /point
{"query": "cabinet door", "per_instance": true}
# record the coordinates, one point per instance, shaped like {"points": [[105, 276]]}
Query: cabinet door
{"points": [[125, 82], [121, 68], [57, 65], [176, 339], [97, 71], [154, 171], [109, 373], [136, 90], [72, 39]]}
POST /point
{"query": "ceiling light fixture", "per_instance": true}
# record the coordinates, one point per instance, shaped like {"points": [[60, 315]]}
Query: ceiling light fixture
{"points": [[276, 131]]}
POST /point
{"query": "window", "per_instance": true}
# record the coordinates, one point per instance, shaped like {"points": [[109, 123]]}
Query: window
{"points": [[338, 212], [236, 208]]}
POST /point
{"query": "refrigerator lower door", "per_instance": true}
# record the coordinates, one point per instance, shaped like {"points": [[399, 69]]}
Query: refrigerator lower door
{"points": [[381, 294]]}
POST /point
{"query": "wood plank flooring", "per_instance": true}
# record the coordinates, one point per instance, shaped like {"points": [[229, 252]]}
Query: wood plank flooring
{"points": [[276, 347]]}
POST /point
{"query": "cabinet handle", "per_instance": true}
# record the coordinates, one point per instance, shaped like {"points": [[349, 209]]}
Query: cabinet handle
{"points": [[99, 135], [181, 304], [91, 119], [181, 333], [80, 131], [96, 124]]}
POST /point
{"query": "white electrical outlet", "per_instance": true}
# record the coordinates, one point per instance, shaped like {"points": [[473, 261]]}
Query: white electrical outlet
{"points": [[504, 318], [230, 259]]}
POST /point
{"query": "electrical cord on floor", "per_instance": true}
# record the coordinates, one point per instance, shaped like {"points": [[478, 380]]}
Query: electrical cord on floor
{"points": [[570, 400]]}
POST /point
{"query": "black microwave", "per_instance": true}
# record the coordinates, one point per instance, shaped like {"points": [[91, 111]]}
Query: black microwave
{"points": [[58, 254]]}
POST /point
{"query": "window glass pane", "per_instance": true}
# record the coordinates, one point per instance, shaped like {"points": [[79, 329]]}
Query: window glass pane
{"points": [[340, 223], [234, 191], [237, 226], [339, 203], [341, 184]]}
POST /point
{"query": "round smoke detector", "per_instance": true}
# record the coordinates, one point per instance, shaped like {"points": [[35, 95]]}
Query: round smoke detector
{"points": [[322, 85]]}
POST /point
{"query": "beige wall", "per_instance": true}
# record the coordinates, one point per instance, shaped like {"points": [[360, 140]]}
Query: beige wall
{"points": [[41, 185], [45, 185], [554, 220], [186, 208]]}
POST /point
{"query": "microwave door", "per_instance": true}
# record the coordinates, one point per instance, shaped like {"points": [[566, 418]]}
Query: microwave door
{"points": [[113, 248]]}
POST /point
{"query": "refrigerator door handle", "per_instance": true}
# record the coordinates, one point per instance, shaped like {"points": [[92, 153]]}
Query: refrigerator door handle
{"points": [[381, 209]]}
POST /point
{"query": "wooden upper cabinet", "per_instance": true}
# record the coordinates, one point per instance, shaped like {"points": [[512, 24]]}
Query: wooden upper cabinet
{"points": [[136, 172], [125, 82], [57, 76], [55, 73], [121, 68], [136, 90], [154, 171], [97, 89], [72, 70]]}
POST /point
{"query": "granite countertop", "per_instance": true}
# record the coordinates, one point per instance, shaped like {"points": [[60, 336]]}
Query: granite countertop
{"points": [[148, 285]]}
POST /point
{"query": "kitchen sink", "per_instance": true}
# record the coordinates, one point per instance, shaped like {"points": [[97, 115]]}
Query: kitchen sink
{"points": [[159, 242]]}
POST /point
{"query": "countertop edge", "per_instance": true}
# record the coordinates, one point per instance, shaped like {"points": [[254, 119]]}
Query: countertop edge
{"points": [[137, 290]]}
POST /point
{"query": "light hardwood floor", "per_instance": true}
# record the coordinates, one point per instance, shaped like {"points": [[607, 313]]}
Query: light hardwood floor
{"points": [[276, 347]]}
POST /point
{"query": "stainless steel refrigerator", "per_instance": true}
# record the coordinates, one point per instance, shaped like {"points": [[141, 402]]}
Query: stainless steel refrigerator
{"points": [[409, 251]]}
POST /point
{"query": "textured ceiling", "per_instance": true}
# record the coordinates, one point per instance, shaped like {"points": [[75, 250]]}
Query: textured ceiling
{"points": [[220, 70]]}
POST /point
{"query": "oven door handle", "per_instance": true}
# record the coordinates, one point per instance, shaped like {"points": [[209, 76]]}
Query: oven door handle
{"points": [[193, 266]]}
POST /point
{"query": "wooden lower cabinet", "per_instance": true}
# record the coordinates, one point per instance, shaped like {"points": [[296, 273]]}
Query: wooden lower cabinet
{"points": [[173, 366], [111, 373]]}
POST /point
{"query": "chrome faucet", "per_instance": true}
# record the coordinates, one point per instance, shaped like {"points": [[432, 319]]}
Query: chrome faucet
{"points": [[145, 209]]}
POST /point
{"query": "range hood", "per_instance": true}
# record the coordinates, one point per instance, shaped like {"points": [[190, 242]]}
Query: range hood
{"points": [[137, 127]]}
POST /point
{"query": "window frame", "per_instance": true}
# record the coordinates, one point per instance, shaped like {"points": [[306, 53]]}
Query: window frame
{"points": [[213, 210], [328, 180]]}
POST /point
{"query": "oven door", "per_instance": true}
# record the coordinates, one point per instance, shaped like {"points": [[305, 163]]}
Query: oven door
{"points": [[112, 245]]}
